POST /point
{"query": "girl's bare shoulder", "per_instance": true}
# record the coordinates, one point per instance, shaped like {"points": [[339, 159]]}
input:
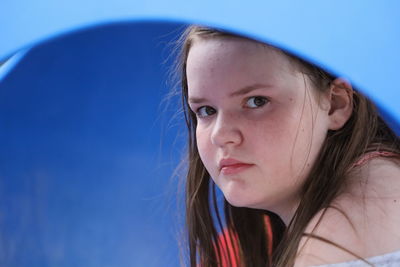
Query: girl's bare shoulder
{"points": [[362, 222]]}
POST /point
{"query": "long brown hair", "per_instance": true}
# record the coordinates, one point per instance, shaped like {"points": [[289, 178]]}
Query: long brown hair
{"points": [[365, 131]]}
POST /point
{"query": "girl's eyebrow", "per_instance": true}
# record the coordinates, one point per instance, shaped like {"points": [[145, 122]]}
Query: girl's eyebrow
{"points": [[196, 100], [248, 89], [241, 91]]}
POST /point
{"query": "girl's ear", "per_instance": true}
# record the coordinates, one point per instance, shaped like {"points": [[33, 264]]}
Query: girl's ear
{"points": [[341, 103]]}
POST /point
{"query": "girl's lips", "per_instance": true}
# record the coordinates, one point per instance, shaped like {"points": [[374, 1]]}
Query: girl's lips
{"points": [[234, 169], [232, 166]]}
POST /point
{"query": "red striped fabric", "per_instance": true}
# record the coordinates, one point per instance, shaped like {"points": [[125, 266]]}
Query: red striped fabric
{"points": [[228, 247]]}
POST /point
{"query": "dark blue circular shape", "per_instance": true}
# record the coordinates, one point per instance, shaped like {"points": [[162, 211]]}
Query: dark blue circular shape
{"points": [[88, 151]]}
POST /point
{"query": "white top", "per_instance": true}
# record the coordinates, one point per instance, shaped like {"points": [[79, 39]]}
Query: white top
{"points": [[386, 260]]}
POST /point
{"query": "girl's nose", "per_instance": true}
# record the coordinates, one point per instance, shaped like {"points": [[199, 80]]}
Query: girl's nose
{"points": [[226, 131]]}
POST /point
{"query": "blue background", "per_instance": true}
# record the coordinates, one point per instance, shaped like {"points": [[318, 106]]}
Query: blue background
{"points": [[89, 139], [88, 151]]}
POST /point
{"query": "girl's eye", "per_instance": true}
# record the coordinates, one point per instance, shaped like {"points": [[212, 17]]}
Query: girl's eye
{"points": [[205, 111], [256, 101]]}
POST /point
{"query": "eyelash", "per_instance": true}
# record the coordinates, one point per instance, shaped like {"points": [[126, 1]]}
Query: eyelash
{"points": [[199, 114], [199, 111], [264, 99]]}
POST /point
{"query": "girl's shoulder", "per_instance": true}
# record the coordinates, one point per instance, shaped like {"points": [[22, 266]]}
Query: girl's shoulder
{"points": [[391, 259], [361, 223]]}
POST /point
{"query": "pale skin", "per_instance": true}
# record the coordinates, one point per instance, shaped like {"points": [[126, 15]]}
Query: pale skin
{"points": [[260, 125], [371, 203]]}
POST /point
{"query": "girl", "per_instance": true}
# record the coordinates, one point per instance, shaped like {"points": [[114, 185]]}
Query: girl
{"points": [[309, 171]]}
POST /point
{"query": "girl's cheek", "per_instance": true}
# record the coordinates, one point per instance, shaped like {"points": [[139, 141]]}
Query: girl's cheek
{"points": [[203, 140], [266, 113]]}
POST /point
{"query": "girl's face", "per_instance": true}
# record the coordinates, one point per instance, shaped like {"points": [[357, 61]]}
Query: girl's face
{"points": [[260, 124]]}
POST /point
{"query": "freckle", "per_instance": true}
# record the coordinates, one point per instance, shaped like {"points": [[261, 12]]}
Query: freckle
{"points": [[395, 200], [291, 99]]}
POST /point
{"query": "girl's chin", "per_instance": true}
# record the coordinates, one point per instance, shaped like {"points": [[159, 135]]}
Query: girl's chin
{"points": [[242, 202], [249, 201]]}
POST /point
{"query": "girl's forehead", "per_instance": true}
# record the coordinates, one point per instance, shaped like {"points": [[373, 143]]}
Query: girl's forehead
{"points": [[227, 48], [228, 55], [220, 66]]}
